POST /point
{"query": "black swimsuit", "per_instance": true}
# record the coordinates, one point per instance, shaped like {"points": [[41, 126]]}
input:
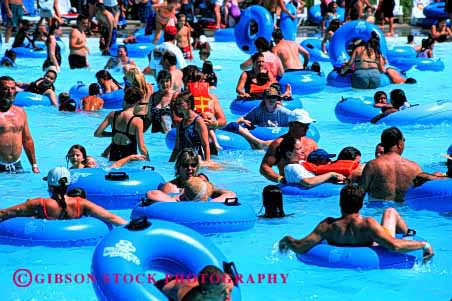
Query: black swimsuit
{"points": [[119, 151]]}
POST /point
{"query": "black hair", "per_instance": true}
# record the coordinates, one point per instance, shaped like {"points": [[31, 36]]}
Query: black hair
{"points": [[133, 95], [81, 17], [398, 98], [77, 192], [6, 78], [410, 80], [410, 38], [207, 67], [262, 44], [255, 56], [170, 58], [378, 94], [163, 75], [103, 74], [52, 71], [286, 145], [204, 51], [69, 105], [277, 35], [348, 153], [94, 89], [79, 147], [390, 137], [351, 198], [315, 67], [9, 53], [272, 200]]}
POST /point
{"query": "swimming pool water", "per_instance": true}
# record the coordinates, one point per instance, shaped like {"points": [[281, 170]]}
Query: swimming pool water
{"points": [[253, 251]]}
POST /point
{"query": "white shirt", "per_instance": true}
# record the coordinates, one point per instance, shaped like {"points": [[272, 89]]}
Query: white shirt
{"points": [[295, 172], [168, 46]]}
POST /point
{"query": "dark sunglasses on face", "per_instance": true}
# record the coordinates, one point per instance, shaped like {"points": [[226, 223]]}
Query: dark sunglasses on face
{"points": [[186, 165]]}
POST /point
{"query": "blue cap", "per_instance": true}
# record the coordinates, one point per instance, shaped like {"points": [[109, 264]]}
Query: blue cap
{"points": [[319, 155]]}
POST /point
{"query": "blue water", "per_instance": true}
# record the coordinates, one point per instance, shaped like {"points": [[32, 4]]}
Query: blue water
{"points": [[253, 251]]}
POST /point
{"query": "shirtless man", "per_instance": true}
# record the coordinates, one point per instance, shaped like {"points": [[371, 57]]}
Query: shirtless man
{"points": [[165, 16], [288, 52], [77, 44], [108, 33], [183, 37], [168, 63], [14, 11], [389, 176], [298, 126], [14, 131], [351, 229]]}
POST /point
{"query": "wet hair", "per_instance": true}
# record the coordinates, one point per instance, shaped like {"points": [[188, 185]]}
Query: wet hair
{"points": [[11, 54], [186, 154], [398, 98], [187, 97], [164, 75], [79, 147], [63, 96], [315, 67], [272, 200], [77, 192], [390, 137], [170, 58], [124, 47], [204, 51], [69, 105], [410, 38], [351, 198], [262, 44], [191, 73], [277, 35], [94, 89], [410, 80], [210, 276], [378, 94], [286, 145], [81, 17], [207, 67], [334, 25], [255, 56], [103, 74], [133, 95], [348, 153]]}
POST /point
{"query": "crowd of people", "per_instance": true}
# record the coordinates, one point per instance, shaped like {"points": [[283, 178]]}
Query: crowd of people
{"points": [[185, 102]]}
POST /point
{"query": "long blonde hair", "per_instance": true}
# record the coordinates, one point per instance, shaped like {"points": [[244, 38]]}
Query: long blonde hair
{"points": [[137, 80]]}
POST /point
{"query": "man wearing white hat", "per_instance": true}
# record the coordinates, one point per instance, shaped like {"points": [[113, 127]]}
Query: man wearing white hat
{"points": [[299, 122]]}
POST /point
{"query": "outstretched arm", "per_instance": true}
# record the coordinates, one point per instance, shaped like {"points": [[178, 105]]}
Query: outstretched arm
{"points": [[220, 195], [27, 208], [91, 209], [302, 245]]}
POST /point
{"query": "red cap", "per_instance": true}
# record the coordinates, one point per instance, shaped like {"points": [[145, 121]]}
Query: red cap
{"points": [[171, 30]]}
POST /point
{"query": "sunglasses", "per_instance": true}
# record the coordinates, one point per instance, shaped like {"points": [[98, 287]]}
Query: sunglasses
{"points": [[186, 165]]}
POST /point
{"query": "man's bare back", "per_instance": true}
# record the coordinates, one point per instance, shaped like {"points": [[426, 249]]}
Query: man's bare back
{"points": [[350, 230], [389, 176], [287, 51]]}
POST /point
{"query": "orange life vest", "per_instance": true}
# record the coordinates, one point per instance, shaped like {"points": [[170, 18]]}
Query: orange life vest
{"points": [[345, 167], [256, 89], [200, 92]]}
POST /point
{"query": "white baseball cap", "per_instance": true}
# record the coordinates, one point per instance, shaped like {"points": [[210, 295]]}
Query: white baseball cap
{"points": [[300, 115], [55, 176]]}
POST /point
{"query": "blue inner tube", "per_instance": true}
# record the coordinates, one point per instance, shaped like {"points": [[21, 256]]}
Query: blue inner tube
{"points": [[244, 38], [303, 82], [224, 35], [227, 140], [161, 246], [29, 52], [315, 15], [204, 217], [26, 231], [402, 57], [314, 47], [326, 255], [436, 10], [271, 133], [115, 189], [26, 99], [345, 81], [134, 50], [433, 195], [142, 38], [322, 190], [346, 34], [112, 100], [359, 110], [430, 64], [287, 25], [243, 106]]}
